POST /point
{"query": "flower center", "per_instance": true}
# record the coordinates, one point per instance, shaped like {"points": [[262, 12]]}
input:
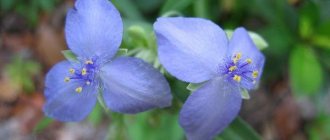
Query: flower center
{"points": [[240, 69], [84, 73]]}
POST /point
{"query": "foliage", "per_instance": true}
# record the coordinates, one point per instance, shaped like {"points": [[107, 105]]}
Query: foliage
{"points": [[30, 9]]}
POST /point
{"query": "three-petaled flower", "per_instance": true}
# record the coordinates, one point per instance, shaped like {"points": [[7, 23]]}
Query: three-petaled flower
{"points": [[93, 32], [196, 50]]}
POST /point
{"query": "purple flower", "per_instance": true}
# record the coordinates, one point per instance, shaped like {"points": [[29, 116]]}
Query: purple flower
{"points": [[196, 50], [93, 32]]}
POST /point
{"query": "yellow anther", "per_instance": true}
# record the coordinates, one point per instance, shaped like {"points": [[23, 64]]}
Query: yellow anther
{"points": [[88, 62], [249, 61], [71, 71], [237, 57], [255, 74], [66, 79], [88, 83], [83, 71], [79, 89], [237, 78], [232, 68]]}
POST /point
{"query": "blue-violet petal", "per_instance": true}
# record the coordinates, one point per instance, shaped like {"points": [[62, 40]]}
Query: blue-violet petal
{"points": [[191, 49], [94, 28], [132, 85], [210, 109]]}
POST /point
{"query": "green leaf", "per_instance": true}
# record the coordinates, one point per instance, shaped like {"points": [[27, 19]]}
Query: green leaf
{"points": [[122, 52], [193, 86], [69, 55], [201, 8], [128, 9], [245, 94], [239, 130], [306, 74], [308, 18], [6, 4], [42, 124], [259, 41], [154, 126], [321, 41], [95, 117], [175, 5], [320, 127]]}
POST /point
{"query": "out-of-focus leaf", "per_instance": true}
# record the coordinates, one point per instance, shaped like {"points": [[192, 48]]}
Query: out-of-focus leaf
{"points": [[245, 94], [95, 117], [6, 4], [148, 5], [325, 58], [175, 5], [117, 129], [152, 126], [201, 8], [69, 55], [259, 41], [306, 73], [239, 130], [321, 41], [309, 16], [320, 128], [42, 124], [128, 9], [280, 40], [46, 5], [21, 72]]}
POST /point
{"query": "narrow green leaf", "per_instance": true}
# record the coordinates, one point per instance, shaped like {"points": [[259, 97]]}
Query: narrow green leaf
{"points": [[42, 124], [193, 86], [69, 55], [259, 41], [245, 94], [306, 73], [239, 130]]}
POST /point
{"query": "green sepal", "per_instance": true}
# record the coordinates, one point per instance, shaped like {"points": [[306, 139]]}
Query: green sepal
{"points": [[194, 86], [122, 52], [258, 40], [138, 35], [245, 94], [69, 55]]}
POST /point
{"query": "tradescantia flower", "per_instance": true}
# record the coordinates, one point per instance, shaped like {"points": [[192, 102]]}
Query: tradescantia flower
{"points": [[196, 50], [93, 32]]}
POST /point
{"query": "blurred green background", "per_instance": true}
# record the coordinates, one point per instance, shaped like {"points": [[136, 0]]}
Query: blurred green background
{"points": [[292, 102]]}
